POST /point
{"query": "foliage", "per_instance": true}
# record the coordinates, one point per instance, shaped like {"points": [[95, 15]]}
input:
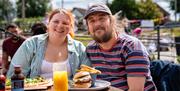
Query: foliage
{"points": [[129, 8], [7, 11], [176, 32], [33, 8], [28, 20], [136, 10], [178, 59], [149, 10], [25, 24]]}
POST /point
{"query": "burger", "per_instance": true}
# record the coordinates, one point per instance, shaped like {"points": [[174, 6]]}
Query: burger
{"points": [[82, 79]]}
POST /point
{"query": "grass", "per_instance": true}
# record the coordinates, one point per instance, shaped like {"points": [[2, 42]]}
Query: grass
{"points": [[176, 31], [178, 59], [84, 39]]}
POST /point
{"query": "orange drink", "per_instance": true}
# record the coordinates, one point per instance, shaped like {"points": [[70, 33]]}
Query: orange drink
{"points": [[60, 79]]}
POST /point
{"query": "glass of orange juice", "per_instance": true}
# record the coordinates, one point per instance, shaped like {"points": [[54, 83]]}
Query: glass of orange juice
{"points": [[60, 79]]}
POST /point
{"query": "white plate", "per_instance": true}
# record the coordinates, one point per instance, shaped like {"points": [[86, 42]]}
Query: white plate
{"points": [[99, 85]]}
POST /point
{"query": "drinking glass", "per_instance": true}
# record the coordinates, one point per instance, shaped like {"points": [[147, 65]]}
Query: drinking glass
{"points": [[60, 79]]}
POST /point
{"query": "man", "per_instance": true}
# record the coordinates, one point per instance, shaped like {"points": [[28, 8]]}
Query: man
{"points": [[10, 45], [122, 59]]}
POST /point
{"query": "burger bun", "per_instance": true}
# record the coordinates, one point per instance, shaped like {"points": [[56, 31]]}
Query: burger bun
{"points": [[82, 85]]}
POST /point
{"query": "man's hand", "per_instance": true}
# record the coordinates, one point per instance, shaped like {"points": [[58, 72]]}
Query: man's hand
{"points": [[136, 83]]}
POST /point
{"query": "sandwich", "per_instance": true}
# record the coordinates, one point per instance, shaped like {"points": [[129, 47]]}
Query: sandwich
{"points": [[89, 69], [82, 79]]}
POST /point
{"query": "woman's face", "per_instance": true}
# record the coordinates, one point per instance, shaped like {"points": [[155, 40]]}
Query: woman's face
{"points": [[59, 25], [125, 22]]}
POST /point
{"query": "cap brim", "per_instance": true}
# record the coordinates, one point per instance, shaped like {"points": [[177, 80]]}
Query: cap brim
{"points": [[90, 13]]}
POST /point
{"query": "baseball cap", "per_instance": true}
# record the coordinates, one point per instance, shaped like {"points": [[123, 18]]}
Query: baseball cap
{"points": [[97, 8]]}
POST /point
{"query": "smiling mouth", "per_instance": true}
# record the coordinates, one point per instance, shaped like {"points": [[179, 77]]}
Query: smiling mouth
{"points": [[99, 31], [60, 31]]}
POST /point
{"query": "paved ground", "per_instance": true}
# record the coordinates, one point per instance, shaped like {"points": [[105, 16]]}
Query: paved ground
{"points": [[166, 39], [168, 55]]}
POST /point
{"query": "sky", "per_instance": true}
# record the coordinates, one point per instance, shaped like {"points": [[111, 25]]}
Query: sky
{"points": [[69, 4]]}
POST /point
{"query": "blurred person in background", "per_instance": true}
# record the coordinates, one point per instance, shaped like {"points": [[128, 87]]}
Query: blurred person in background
{"points": [[38, 28], [10, 45], [122, 22], [137, 32]]}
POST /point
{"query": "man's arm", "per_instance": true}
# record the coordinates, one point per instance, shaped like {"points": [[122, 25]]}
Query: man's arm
{"points": [[136, 83], [5, 61]]}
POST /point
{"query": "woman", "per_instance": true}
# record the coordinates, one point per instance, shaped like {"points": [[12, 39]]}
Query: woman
{"points": [[55, 50]]}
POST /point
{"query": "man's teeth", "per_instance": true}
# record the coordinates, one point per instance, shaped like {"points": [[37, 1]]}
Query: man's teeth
{"points": [[60, 31]]}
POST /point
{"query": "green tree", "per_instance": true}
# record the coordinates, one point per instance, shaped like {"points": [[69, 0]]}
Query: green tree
{"points": [[129, 7], [33, 8], [7, 11], [149, 10], [136, 10]]}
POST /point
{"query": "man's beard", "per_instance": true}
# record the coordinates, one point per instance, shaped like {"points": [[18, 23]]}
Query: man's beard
{"points": [[15, 38], [104, 38]]}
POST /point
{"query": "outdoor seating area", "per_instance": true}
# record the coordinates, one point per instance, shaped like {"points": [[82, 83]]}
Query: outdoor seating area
{"points": [[89, 45]]}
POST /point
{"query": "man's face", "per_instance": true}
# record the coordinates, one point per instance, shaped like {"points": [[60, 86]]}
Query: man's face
{"points": [[13, 30], [99, 25]]}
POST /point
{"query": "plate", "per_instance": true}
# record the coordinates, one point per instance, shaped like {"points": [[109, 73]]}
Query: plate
{"points": [[36, 87], [40, 87], [99, 85]]}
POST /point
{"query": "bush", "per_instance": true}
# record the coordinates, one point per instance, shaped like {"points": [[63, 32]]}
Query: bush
{"points": [[178, 59], [28, 20], [25, 24]]}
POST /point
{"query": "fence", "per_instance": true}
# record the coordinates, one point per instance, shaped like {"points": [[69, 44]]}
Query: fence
{"points": [[174, 44]]}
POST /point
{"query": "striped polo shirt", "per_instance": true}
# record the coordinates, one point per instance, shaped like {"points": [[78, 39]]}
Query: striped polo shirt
{"points": [[127, 58]]}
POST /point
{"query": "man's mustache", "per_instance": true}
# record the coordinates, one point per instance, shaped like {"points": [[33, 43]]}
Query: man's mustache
{"points": [[98, 28]]}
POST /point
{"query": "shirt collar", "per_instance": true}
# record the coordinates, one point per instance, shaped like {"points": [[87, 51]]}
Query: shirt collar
{"points": [[71, 45]]}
